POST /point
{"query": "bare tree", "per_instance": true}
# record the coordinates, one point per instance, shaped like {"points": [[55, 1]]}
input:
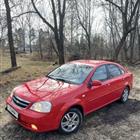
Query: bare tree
{"points": [[10, 34], [128, 11], [58, 27], [85, 18]]}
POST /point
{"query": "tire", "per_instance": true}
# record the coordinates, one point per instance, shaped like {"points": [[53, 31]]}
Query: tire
{"points": [[125, 95], [71, 121]]}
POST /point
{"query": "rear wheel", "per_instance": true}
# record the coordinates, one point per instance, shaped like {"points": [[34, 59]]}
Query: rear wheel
{"points": [[71, 121], [125, 95]]}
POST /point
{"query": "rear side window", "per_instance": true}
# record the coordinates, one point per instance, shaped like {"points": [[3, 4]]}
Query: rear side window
{"points": [[100, 74], [114, 70]]}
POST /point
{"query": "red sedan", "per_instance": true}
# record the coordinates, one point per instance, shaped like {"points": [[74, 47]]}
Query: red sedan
{"points": [[61, 99]]}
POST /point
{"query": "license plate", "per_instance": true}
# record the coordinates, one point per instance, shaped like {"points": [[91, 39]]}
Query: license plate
{"points": [[12, 111]]}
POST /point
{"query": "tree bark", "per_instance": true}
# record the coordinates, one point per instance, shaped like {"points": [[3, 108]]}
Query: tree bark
{"points": [[10, 34]]}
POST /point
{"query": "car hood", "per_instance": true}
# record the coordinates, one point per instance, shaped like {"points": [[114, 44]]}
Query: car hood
{"points": [[43, 88]]}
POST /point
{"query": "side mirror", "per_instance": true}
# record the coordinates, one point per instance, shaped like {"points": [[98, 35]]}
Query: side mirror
{"points": [[96, 83]]}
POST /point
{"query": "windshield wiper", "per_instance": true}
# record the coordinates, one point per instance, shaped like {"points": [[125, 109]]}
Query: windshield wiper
{"points": [[63, 80], [60, 79]]}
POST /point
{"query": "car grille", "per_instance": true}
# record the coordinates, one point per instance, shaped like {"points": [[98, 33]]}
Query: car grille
{"points": [[20, 102]]}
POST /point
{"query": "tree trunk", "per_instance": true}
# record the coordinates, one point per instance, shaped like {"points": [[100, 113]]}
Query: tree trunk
{"points": [[71, 30], [139, 45], [40, 46], [23, 39], [118, 48], [24, 49], [30, 43], [89, 48], [61, 56], [132, 42], [61, 50], [125, 53], [10, 35]]}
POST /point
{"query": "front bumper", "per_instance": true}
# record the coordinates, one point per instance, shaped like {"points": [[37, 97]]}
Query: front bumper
{"points": [[28, 118]]}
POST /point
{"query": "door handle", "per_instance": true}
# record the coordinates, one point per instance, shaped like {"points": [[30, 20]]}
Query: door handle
{"points": [[108, 84]]}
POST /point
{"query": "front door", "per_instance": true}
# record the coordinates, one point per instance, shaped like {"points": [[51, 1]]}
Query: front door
{"points": [[96, 96]]}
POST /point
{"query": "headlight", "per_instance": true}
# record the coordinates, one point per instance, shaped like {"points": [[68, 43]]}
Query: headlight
{"points": [[43, 106]]}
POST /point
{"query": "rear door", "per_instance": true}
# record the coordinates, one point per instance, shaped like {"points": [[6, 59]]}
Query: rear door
{"points": [[116, 81]]}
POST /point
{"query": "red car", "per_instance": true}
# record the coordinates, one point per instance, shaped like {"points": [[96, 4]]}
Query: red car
{"points": [[61, 99]]}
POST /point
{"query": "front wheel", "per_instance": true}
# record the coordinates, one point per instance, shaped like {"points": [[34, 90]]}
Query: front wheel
{"points": [[71, 121], [125, 95]]}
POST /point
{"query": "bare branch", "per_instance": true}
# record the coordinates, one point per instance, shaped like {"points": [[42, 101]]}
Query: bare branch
{"points": [[110, 1], [28, 12], [137, 5], [43, 19], [54, 15]]}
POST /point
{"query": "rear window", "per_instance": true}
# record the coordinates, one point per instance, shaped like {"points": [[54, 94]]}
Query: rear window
{"points": [[114, 70]]}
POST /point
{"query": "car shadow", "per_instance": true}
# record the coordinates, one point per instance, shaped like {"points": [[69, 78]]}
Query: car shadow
{"points": [[115, 113]]}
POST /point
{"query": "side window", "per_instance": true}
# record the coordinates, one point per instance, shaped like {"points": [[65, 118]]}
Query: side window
{"points": [[100, 74], [114, 70]]}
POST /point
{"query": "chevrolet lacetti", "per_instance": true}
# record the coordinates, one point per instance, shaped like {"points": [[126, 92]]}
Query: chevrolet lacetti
{"points": [[61, 99]]}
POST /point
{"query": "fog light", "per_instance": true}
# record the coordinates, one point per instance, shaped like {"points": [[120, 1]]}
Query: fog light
{"points": [[34, 127]]}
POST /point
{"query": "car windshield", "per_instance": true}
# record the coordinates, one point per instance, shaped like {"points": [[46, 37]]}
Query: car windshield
{"points": [[71, 73]]}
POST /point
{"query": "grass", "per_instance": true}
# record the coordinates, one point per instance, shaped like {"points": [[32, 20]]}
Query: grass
{"points": [[29, 69]]}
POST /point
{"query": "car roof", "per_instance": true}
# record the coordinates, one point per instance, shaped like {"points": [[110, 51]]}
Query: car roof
{"points": [[92, 63]]}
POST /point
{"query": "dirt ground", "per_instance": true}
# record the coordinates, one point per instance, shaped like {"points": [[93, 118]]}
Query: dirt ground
{"points": [[115, 122]]}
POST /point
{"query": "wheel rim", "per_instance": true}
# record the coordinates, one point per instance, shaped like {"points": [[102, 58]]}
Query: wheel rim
{"points": [[70, 121], [125, 95]]}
